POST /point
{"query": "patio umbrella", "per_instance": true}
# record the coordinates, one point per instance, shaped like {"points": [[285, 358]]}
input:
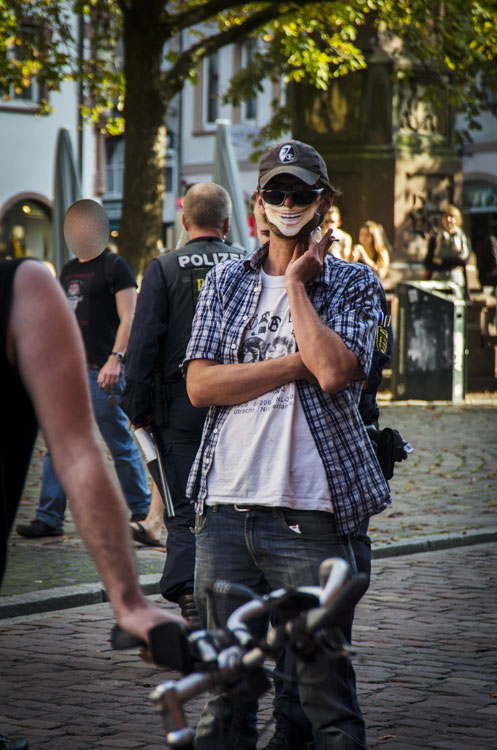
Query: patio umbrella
{"points": [[67, 190], [226, 174]]}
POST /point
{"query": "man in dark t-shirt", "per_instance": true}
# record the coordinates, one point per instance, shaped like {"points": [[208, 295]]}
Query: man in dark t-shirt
{"points": [[101, 289]]}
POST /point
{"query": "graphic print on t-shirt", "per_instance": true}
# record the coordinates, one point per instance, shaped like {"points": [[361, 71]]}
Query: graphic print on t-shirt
{"points": [[269, 335], [74, 289], [276, 461]]}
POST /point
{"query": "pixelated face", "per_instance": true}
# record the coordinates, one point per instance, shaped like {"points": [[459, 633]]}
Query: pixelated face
{"points": [[86, 229]]}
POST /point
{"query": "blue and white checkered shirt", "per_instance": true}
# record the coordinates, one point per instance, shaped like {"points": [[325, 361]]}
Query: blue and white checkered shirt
{"points": [[346, 297]]}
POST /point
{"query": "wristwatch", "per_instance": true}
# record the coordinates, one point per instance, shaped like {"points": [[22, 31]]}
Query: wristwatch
{"points": [[119, 356]]}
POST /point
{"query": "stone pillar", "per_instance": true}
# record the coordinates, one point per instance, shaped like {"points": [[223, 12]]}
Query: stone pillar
{"points": [[388, 149]]}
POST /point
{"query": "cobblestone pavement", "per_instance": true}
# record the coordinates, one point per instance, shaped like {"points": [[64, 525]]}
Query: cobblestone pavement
{"points": [[448, 485], [426, 666], [425, 633]]}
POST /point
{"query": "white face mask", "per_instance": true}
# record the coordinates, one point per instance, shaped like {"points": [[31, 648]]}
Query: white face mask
{"points": [[290, 221]]}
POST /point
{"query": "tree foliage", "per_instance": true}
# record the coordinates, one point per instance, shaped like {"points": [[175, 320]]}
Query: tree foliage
{"points": [[131, 63]]}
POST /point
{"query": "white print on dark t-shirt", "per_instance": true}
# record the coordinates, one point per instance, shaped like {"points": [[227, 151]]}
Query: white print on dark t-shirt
{"points": [[74, 292], [266, 453]]}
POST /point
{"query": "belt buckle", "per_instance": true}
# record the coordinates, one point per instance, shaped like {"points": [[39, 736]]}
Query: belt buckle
{"points": [[240, 510]]}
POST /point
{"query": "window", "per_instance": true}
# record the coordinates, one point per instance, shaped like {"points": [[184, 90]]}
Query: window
{"points": [[114, 171], [211, 107], [249, 108]]}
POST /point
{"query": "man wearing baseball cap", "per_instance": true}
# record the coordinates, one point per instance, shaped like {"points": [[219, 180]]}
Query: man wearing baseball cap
{"points": [[285, 476]]}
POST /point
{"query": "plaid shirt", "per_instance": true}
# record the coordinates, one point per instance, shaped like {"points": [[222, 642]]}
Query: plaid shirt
{"points": [[346, 297]]}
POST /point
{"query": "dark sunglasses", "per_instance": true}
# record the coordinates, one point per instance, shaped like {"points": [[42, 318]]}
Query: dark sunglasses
{"points": [[300, 196]]}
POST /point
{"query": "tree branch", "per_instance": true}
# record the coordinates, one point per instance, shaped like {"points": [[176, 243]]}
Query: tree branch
{"points": [[174, 78], [193, 16]]}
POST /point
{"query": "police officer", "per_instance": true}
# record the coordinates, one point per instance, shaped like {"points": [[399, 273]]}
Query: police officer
{"points": [[155, 392]]}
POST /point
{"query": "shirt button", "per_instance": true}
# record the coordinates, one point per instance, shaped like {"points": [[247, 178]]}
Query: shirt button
{"points": [[233, 346]]}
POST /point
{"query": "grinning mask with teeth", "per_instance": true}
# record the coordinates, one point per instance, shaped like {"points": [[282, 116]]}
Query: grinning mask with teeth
{"points": [[289, 222]]}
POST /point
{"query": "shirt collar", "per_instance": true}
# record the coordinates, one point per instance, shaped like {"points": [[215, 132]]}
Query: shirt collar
{"points": [[254, 261]]}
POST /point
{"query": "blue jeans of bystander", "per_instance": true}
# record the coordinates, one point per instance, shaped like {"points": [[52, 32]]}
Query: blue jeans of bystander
{"points": [[113, 425]]}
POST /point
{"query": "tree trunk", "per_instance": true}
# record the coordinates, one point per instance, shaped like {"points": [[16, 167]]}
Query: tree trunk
{"points": [[145, 139]]}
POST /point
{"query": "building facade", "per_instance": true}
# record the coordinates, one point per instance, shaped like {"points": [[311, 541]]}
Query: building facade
{"points": [[394, 159]]}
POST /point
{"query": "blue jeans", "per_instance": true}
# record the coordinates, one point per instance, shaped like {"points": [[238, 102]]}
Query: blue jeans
{"points": [[259, 549], [113, 425]]}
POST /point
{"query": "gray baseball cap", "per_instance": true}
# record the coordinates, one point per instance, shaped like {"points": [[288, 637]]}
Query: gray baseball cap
{"points": [[293, 157]]}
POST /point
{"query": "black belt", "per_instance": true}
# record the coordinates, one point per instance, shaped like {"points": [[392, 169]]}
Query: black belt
{"points": [[246, 508], [94, 367]]}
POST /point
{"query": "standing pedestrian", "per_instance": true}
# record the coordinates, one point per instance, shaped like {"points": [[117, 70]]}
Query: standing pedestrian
{"points": [[285, 475], [155, 392], [449, 250], [101, 289]]}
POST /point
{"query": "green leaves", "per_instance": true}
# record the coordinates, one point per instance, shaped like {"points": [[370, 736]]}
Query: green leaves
{"points": [[310, 41]]}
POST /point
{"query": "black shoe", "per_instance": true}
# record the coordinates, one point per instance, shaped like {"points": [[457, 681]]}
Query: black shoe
{"points": [[289, 738], [6, 744], [35, 529], [189, 611]]}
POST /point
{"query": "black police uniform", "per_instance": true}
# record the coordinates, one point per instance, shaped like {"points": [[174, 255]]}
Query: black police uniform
{"points": [[155, 386]]}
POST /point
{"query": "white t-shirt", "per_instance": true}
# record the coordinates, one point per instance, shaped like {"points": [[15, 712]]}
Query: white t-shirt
{"points": [[265, 453]]}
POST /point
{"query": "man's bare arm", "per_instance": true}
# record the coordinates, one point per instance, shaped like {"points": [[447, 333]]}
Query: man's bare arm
{"points": [[45, 345], [210, 383], [125, 303], [322, 350]]}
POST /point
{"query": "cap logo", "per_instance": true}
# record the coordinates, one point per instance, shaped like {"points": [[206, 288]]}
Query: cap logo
{"points": [[287, 153]]}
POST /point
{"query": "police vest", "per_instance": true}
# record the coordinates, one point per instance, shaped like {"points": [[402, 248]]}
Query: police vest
{"points": [[184, 271]]}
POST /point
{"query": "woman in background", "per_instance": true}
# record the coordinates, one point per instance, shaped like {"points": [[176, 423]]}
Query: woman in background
{"points": [[372, 249], [448, 250]]}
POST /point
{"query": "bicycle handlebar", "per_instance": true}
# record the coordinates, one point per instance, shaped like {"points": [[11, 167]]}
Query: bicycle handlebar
{"points": [[222, 657]]}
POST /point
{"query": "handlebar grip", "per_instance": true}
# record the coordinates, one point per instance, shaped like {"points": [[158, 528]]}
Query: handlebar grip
{"points": [[120, 639], [169, 644]]}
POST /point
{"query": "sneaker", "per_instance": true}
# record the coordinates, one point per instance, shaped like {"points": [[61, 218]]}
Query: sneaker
{"points": [[35, 529], [288, 738]]}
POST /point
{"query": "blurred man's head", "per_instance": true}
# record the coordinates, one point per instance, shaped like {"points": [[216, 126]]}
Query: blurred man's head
{"points": [[86, 229], [261, 225]]}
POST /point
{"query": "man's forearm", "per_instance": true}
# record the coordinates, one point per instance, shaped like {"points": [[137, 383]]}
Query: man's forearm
{"points": [[102, 525], [322, 350], [122, 336], [210, 383]]}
